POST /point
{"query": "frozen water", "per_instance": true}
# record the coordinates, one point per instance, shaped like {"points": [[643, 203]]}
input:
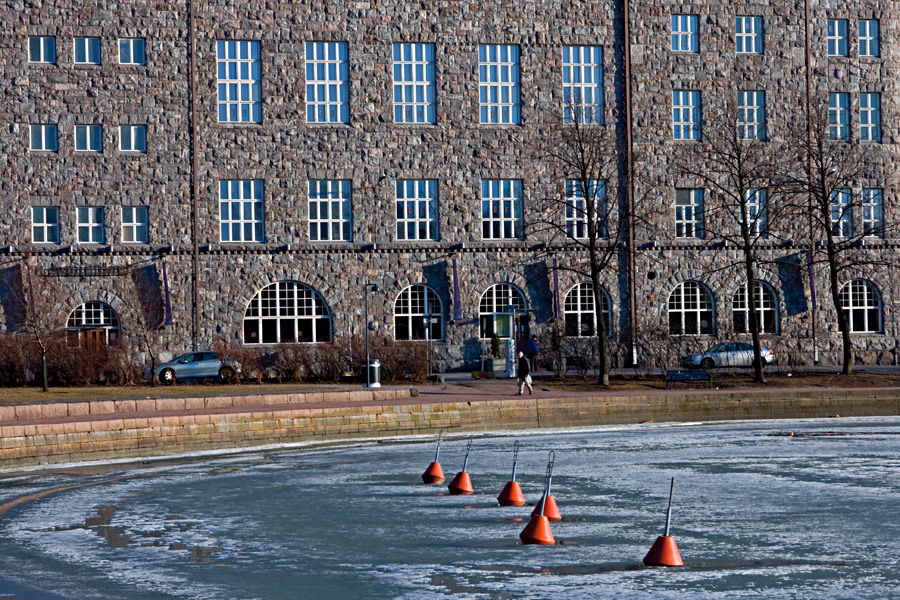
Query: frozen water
{"points": [[756, 515]]}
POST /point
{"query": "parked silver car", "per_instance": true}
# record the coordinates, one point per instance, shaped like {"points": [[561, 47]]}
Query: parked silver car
{"points": [[728, 354], [196, 365]]}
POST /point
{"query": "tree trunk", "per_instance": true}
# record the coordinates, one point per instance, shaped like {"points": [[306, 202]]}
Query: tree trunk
{"points": [[843, 325], [752, 314], [45, 385]]}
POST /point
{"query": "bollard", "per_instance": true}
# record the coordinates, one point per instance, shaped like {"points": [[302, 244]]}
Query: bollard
{"points": [[538, 529], [434, 474], [664, 552], [462, 484], [512, 492], [547, 504]]}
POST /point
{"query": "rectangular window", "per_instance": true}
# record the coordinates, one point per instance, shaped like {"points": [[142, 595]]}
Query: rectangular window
{"points": [[748, 35], [582, 208], [757, 214], [414, 83], [330, 214], [90, 224], [417, 209], [44, 225], [689, 213], [87, 51], [135, 228], [89, 138], [501, 209], [686, 115], [837, 37], [327, 83], [133, 138], [870, 117], [42, 49], [873, 212], [841, 215], [498, 77], [239, 82], [241, 210], [685, 33], [751, 115], [839, 117], [869, 38], [43, 138], [131, 51], [582, 76]]}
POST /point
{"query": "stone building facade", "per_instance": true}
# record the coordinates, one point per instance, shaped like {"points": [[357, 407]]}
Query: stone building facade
{"points": [[276, 143]]}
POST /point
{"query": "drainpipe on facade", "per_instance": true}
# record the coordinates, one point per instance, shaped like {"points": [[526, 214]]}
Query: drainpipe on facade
{"points": [[811, 205], [195, 191], [630, 247]]}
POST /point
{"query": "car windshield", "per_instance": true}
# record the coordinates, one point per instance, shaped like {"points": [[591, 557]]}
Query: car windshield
{"points": [[716, 348]]}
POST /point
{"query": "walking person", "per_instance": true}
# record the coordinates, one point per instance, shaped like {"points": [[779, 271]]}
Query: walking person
{"points": [[523, 374]]}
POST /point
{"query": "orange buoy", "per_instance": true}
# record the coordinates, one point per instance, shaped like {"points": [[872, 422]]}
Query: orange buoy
{"points": [[511, 495], [433, 474], [551, 511], [461, 484], [537, 532], [664, 553]]}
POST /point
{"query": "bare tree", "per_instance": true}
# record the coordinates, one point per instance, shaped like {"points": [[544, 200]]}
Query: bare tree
{"points": [[144, 290], [749, 192]]}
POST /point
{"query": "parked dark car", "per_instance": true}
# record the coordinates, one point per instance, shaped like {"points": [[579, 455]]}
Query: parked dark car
{"points": [[728, 354], [196, 365]]}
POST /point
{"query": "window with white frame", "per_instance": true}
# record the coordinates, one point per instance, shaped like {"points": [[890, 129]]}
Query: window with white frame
{"points": [[330, 214], [44, 225], [241, 213], [44, 138], [498, 78], [872, 207], [870, 117], [582, 208], [287, 311], [757, 212], [501, 208], [135, 226], [327, 83], [748, 35], [503, 311], [686, 115], [89, 138], [133, 138], [92, 324], [862, 306], [689, 213], [839, 117], [578, 310], [417, 209], [582, 77], [42, 49], [90, 224], [837, 37], [87, 51], [766, 309], [239, 88], [869, 38], [841, 213], [691, 310], [131, 51], [418, 314], [414, 83], [751, 121], [685, 33]]}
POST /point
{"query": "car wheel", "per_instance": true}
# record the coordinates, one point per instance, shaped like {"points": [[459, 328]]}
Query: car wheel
{"points": [[707, 363], [226, 375], [167, 376]]}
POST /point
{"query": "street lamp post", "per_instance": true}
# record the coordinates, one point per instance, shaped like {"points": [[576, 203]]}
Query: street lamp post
{"points": [[376, 289], [428, 338]]}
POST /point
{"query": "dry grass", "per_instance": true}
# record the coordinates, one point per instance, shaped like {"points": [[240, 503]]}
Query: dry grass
{"points": [[738, 381]]}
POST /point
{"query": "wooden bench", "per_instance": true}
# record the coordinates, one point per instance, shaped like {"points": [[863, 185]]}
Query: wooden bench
{"points": [[685, 376]]}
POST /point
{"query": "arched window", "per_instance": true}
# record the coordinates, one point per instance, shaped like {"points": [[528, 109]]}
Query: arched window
{"points": [[766, 307], [287, 311], [414, 306], [691, 310], [579, 311], [92, 323], [861, 303], [498, 303]]}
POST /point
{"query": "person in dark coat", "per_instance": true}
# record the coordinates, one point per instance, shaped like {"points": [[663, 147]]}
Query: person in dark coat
{"points": [[531, 348], [523, 374]]}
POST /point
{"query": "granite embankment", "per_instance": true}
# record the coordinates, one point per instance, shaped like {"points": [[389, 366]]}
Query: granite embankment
{"points": [[54, 433]]}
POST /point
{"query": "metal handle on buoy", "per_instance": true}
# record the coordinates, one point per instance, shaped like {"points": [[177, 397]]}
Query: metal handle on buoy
{"points": [[437, 452], [515, 458], [551, 457], [468, 447], [669, 510]]}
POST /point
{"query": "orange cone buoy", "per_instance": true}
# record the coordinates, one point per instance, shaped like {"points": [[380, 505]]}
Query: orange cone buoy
{"points": [[434, 474], [537, 532], [462, 483], [664, 552], [512, 492], [551, 510]]}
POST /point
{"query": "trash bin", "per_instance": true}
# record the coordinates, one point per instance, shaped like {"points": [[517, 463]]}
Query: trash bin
{"points": [[374, 376]]}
